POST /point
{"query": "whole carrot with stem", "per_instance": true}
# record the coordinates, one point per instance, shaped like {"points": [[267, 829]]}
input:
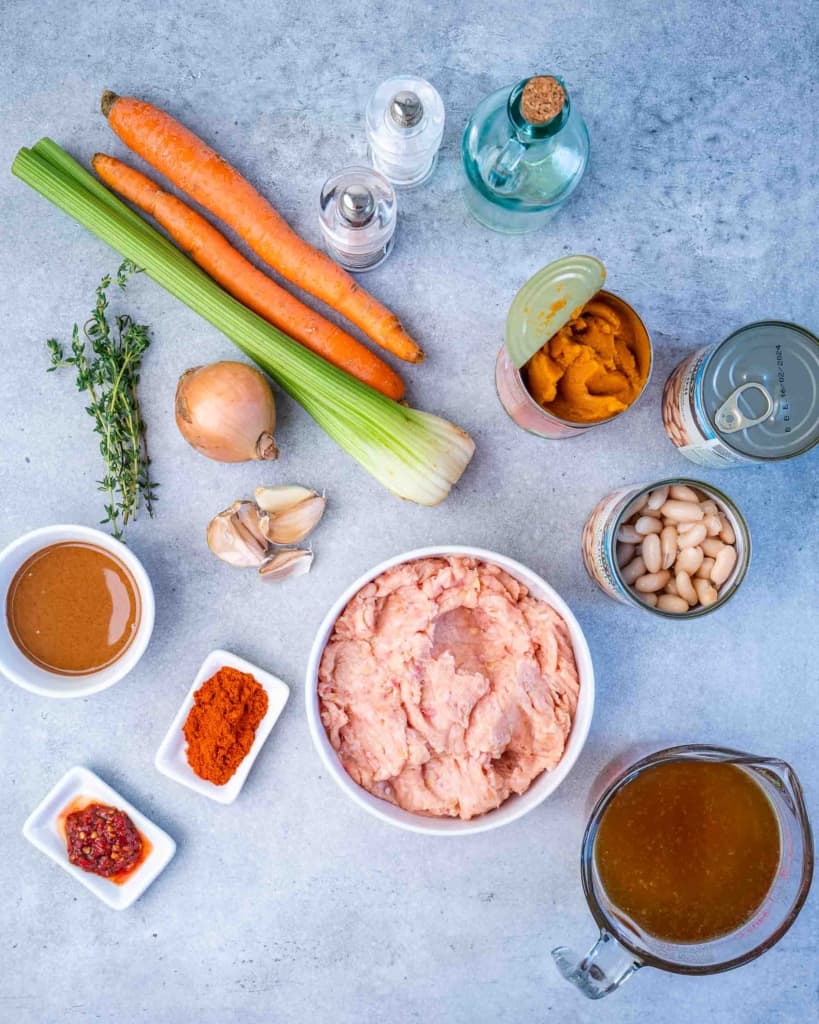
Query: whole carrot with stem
{"points": [[209, 179], [212, 251]]}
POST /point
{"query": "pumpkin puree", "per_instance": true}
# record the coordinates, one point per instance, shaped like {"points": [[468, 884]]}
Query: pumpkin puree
{"points": [[594, 367]]}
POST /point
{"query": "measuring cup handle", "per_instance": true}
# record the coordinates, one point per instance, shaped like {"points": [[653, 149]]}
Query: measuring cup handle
{"points": [[603, 969]]}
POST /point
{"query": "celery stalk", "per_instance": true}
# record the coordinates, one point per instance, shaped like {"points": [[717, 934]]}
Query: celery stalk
{"points": [[414, 454]]}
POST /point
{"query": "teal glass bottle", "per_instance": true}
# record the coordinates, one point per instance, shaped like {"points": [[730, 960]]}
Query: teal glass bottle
{"points": [[519, 173]]}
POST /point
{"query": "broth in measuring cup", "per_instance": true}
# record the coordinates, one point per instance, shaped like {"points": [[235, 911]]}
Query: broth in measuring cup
{"points": [[688, 850]]}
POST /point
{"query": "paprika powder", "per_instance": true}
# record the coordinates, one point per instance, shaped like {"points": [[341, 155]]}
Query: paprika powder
{"points": [[221, 725]]}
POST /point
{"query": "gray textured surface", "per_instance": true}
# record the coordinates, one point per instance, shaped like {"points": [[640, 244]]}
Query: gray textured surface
{"points": [[292, 905]]}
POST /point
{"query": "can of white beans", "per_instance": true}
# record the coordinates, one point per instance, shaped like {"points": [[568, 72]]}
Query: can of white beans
{"points": [[612, 546], [751, 398]]}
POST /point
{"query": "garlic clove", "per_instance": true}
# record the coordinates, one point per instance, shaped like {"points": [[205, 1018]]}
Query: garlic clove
{"points": [[234, 543], [254, 521], [279, 499], [286, 564], [297, 522]]}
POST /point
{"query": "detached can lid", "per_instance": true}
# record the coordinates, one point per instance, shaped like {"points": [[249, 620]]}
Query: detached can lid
{"points": [[760, 390], [548, 301]]}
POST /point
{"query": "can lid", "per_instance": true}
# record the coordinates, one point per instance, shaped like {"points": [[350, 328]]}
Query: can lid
{"points": [[760, 390], [548, 301]]}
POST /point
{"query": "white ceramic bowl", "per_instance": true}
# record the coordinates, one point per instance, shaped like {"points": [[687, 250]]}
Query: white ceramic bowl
{"points": [[42, 829], [14, 665], [171, 758], [515, 806]]}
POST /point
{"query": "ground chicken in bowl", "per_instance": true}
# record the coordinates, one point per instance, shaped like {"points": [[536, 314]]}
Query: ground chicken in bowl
{"points": [[445, 687]]}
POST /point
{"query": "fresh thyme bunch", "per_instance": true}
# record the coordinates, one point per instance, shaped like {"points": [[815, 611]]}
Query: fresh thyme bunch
{"points": [[109, 372]]}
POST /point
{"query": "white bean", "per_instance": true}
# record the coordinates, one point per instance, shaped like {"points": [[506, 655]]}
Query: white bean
{"points": [[692, 538], [653, 512], [709, 507], [705, 592], [685, 588], [704, 571], [682, 511], [712, 547], [658, 498], [668, 546], [689, 561], [625, 553], [628, 535], [648, 524], [652, 581], [723, 565], [649, 599], [633, 570], [671, 588], [727, 532], [685, 527], [650, 550], [672, 603], [713, 524], [683, 493]]}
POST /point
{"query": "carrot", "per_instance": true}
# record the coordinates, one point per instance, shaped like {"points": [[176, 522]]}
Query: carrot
{"points": [[193, 166], [212, 251]]}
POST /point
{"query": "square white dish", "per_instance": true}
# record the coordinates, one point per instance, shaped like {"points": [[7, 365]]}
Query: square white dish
{"points": [[171, 758], [42, 830]]}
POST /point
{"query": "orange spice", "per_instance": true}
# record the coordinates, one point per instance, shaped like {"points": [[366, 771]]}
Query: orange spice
{"points": [[222, 723]]}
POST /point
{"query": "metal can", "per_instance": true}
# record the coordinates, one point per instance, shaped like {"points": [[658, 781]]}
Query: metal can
{"points": [[751, 398], [531, 416], [599, 544]]}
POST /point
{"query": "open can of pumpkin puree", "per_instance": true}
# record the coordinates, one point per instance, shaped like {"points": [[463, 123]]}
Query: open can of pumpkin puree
{"points": [[575, 356]]}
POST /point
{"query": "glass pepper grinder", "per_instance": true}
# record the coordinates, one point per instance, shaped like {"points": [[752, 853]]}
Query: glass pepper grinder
{"points": [[405, 123], [358, 214], [524, 152]]}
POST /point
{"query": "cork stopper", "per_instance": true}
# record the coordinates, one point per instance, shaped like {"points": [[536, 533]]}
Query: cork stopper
{"points": [[542, 100]]}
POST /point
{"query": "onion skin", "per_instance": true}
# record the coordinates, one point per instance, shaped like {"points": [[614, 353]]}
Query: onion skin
{"points": [[226, 411]]}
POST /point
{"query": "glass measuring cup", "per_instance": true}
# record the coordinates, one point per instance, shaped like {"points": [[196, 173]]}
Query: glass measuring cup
{"points": [[623, 947]]}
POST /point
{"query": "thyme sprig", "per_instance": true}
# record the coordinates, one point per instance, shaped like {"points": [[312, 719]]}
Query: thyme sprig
{"points": [[107, 358]]}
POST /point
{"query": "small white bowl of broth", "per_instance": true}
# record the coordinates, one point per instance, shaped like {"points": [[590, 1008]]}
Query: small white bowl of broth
{"points": [[78, 611]]}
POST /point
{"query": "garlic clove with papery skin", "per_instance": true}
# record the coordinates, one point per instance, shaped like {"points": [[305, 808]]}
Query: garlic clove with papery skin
{"points": [[281, 498], [233, 542], [252, 519], [286, 564], [296, 523]]}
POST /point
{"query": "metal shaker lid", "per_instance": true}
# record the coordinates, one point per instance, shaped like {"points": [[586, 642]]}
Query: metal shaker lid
{"points": [[406, 109], [356, 205], [760, 390]]}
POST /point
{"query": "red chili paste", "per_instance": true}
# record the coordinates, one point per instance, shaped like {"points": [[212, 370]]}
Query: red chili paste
{"points": [[102, 840]]}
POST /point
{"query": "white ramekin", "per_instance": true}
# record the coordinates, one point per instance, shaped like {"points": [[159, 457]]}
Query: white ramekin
{"points": [[515, 806], [14, 665]]}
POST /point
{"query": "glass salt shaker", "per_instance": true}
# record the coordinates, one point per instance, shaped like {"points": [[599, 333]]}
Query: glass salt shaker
{"points": [[405, 123], [524, 151], [357, 214]]}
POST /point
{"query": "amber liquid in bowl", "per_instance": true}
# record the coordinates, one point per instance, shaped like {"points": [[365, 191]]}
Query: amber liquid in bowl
{"points": [[688, 850], [73, 608]]}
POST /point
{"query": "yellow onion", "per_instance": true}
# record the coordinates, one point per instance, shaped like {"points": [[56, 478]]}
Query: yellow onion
{"points": [[226, 411]]}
